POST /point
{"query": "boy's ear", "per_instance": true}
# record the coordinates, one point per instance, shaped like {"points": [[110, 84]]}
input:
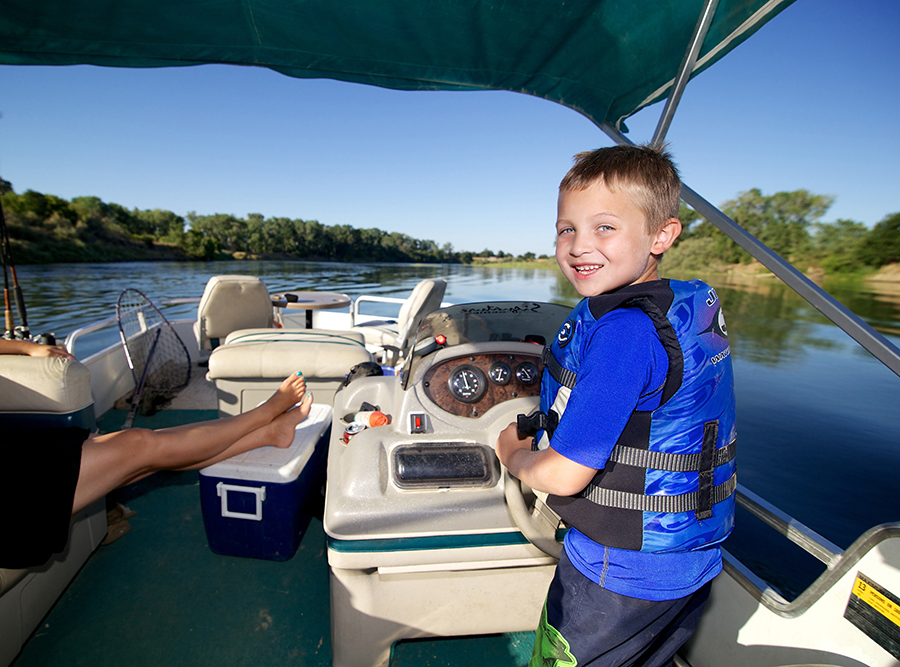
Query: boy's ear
{"points": [[666, 236]]}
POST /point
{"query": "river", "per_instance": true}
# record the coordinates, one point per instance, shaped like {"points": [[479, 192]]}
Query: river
{"points": [[817, 415]]}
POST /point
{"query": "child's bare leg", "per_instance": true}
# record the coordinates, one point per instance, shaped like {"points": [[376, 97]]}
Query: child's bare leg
{"points": [[111, 460], [277, 433], [291, 392], [181, 446]]}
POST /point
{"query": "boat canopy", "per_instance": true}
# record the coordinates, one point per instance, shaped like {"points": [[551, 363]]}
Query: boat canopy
{"points": [[604, 58]]}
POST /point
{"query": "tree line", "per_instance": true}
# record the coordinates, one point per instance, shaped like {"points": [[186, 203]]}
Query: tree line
{"points": [[790, 223], [45, 228]]}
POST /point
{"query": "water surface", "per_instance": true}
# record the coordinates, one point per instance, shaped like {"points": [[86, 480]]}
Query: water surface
{"points": [[817, 415]]}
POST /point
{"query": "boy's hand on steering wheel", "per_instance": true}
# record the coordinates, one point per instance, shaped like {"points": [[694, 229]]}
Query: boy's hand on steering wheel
{"points": [[509, 441]]}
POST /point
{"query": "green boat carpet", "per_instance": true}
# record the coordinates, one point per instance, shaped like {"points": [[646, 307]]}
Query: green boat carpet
{"points": [[159, 596]]}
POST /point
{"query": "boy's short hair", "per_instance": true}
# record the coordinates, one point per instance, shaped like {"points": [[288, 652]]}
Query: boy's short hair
{"points": [[647, 174]]}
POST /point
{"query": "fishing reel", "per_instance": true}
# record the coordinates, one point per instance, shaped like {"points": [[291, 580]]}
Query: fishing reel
{"points": [[17, 333], [23, 333]]}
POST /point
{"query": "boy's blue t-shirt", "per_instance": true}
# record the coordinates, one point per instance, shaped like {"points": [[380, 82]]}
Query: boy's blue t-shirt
{"points": [[622, 361]]}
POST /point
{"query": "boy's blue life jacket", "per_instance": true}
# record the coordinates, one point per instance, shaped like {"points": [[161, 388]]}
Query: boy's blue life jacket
{"points": [[670, 480]]}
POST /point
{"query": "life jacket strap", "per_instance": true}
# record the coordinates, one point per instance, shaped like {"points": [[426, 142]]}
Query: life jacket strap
{"points": [[562, 375], [644, 458], [686, 502]]}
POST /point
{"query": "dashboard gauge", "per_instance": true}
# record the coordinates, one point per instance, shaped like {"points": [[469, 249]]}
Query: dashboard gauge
{"points": [[527, 373], [500, 373], [467, 383]]}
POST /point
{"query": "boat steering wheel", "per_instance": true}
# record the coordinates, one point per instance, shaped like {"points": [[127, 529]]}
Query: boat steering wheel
{"points": [[526, 510]]}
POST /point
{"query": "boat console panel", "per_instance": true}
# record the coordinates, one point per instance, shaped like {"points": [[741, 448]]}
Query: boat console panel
{"points": [[443, 465], [470, 385]]}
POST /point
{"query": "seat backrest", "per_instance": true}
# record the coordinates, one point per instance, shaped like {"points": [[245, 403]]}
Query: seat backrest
{"points": [[425, 297], [44, 392], [231, 302]]}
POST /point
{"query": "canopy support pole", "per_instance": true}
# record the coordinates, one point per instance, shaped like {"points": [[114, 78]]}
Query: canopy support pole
{"points": [[856, 328], [684, 72]]}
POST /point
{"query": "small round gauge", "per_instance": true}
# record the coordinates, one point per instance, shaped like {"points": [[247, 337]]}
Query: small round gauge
{"points": [[527, 373], [467, 383], [500, 373]]}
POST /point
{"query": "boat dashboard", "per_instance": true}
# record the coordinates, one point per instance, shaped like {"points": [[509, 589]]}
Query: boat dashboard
{"points": [[473, 369], [470, 385], [472, 357]]}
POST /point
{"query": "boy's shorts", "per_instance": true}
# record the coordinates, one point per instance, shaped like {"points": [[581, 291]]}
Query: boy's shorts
{"points": [[584, 624]]}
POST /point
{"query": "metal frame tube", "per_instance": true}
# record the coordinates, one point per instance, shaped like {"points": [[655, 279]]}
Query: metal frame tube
{"points": [[684, 71]]}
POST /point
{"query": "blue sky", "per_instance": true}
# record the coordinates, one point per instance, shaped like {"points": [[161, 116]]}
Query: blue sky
{"points": [[811, 101]]}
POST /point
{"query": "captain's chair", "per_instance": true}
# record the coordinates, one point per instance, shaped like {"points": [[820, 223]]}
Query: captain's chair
{"points": [[230, 303], [392, 338]]}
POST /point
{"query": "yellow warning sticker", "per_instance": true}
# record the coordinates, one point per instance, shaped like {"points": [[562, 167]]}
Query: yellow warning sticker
{"points": [[869, 593], [876, 611]]}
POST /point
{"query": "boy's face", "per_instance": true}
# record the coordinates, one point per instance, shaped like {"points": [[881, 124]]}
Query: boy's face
{"points": [[602, 240]]}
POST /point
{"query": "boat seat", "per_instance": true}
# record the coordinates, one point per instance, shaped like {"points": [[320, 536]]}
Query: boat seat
{"points": [[44, 392], [391, 339], [251, 364], [229, 303]]}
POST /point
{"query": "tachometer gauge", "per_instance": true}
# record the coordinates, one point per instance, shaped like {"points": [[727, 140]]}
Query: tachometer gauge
{"points": [[467, 383], [500, 373], [527, 373]]}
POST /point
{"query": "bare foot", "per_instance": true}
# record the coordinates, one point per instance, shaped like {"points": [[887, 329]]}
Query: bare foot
{"points": [[281, 430], [292, 391]]}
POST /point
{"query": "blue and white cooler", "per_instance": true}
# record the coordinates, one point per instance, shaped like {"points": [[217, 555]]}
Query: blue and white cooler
{"points": [[254, 503]]}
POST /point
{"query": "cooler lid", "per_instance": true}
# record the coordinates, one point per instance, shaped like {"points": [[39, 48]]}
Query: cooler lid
{"points": [[275, 464]]}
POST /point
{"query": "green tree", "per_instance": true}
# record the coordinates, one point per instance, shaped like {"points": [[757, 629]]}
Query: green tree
{"points": [[228, 233], [882, 244], [782, 220], [688, 217], [837, 244], [38, 207], [199, 246], [160, 224]]}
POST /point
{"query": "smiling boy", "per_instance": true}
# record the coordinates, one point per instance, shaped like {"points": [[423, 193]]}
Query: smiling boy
{"points": [[637, 450]]}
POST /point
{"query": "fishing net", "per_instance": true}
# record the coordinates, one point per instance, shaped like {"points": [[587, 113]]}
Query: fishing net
{"points": [[158, 358]]}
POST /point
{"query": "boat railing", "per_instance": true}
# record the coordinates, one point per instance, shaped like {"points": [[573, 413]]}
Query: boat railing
{"points": [[75, 334], [109, 322], [356, 315], [837, 561]]}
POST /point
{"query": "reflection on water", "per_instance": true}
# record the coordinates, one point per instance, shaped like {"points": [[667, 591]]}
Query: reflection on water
{"points": [[64, 297], [817, 415]]}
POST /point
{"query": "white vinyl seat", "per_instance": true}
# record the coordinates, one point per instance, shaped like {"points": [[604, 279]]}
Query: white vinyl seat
{"points": [[251, 364], [391, 339], [229, 303]]}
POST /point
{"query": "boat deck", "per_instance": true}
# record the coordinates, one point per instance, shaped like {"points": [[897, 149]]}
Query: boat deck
{"points": [[158, 595], [200, 394]]}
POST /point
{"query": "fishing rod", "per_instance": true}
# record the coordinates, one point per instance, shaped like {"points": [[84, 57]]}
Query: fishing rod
{"points": [[11, 330], [10, 322]]}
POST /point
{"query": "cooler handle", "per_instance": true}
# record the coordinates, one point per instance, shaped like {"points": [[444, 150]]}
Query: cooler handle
{"points": [[222, 490]]}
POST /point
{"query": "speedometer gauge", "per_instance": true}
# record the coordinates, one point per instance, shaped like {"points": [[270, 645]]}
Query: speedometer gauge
{"points": [[467, 383]]}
